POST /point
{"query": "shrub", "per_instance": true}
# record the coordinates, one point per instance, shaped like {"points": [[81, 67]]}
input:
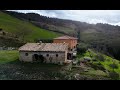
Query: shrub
{"points": [[100, 57], [81, 48], [113, 75], [0, 29], [87, 58], [94, 59], [3, 33], [114, 66], [97, 66]]}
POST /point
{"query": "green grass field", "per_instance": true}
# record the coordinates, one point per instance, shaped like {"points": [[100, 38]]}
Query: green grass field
{"points": [[8, 56], [20, 28], [12, 69], [107, 61], [100, 65]]}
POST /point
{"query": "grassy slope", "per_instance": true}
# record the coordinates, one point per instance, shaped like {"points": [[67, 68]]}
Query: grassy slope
{"points": [[8, 56], [12, 68], [62, 29], [105, 64], [16, 26]]}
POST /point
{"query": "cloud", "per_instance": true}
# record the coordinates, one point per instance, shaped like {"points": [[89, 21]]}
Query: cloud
{"points": [[90, 16]]}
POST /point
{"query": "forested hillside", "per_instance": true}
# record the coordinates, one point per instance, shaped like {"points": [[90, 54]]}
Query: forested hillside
{"points": [[102, 37]]}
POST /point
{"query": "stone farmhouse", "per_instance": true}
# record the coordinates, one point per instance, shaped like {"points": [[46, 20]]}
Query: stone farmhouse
{"points": [[44, 52], [57, 52], [72, 42]]}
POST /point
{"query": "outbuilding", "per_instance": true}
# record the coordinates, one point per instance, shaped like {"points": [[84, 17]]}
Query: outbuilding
{"points": [[44, 52]]}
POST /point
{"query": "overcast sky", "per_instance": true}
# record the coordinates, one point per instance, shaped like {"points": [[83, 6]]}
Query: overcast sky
{"points": [[90, 16]]}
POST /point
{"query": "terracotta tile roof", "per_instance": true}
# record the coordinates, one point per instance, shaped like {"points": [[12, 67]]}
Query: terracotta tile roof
{"points": [[44, 47], [66, 37]]}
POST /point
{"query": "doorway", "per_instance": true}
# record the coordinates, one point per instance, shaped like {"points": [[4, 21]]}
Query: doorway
{"points": [[38, 58], [35, 57], [69, 56], [41, 58]]}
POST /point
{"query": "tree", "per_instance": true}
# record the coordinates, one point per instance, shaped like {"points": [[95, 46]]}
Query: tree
{"points": [[82, 47], [0, 29]]}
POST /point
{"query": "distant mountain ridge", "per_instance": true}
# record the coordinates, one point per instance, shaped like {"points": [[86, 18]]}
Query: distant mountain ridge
{"points": [[56, 24]]}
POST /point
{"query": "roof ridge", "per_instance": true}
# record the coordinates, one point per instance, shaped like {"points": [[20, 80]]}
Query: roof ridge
{"points": [[65, 37]]}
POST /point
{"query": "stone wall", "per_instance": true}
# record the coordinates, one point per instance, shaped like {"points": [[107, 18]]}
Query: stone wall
{"points": [[23, 57], [52, 58], [8, 48], [71, 42]]}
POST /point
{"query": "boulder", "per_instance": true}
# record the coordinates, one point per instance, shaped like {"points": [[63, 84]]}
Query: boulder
{"points": [[87, 59]]}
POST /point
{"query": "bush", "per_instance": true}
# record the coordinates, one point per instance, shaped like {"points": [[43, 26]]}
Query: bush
{"points": [[97, 66], [87, 59], [81, 48], [3, 33], [0, 29], [114, 66], [94, 59], [114, 75], [100, 57]]}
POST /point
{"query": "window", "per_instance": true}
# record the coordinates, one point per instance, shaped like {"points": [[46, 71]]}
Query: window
{"points": [[56, 55], [47, 55], [26, 54]]}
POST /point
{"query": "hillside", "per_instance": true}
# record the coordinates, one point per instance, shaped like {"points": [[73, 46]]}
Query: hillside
{"points": [[100, 67], [102, 37], [22, 30], [52, 24], [98, 48]]}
